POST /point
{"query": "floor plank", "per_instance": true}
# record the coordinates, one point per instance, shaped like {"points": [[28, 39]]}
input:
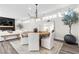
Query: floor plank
{"points": [[6, 48], [2, 49], [69, 49]]}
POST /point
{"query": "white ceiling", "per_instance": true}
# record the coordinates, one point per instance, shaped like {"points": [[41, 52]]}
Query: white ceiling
{"points": [[22, 10]]}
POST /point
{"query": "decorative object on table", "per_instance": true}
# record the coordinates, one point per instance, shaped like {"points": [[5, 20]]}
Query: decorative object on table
{"points": [[70, 18], [48, 20], [35, 30]]}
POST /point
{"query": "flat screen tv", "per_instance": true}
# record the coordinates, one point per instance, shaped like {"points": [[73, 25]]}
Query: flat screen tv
{"points": [[7, 23]]}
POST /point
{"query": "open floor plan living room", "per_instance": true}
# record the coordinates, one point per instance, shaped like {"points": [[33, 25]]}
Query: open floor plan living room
{"points": [[39, 28]]}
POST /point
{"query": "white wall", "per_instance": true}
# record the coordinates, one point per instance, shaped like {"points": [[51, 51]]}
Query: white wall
{"points": [[61, 29]]}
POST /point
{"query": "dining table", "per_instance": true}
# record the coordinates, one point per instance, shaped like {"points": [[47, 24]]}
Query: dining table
{"points": [[42, 34]]}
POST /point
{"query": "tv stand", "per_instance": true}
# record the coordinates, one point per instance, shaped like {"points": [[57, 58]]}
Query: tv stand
{"points": [[6, 27]]}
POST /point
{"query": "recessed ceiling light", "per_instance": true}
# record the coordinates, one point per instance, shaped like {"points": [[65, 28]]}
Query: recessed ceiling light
{"points": [[54, 16], [60, 15], [29, 8], [26, 21]]}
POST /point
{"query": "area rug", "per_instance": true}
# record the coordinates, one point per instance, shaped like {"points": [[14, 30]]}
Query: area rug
{"points": [[23, 49]]}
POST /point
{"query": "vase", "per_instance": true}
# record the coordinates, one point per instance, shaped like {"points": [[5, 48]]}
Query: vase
{"points": [[70, 39]]}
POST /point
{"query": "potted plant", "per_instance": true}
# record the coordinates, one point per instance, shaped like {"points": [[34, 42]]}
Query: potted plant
{"points": [[71, 17], [20, 26]]}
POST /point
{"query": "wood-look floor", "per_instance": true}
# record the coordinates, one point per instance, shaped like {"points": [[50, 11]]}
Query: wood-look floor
{"points": [[69, 49], [6, 48]]}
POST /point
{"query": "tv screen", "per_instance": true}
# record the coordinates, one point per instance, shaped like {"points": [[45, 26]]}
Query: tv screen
{"points": [[7, 23]]}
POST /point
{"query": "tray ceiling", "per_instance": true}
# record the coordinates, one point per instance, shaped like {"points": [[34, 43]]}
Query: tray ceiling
{"points": [[22, 10]]}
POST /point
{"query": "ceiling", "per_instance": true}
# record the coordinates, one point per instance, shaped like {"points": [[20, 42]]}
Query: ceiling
{"points": [[22, 10]]}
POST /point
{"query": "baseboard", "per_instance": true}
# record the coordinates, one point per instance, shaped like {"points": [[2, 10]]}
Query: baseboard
{"points": [[59, 40], [64, 41]]}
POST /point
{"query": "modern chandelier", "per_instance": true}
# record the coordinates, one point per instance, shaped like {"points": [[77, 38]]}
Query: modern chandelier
{"points": [[36, 12]]}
